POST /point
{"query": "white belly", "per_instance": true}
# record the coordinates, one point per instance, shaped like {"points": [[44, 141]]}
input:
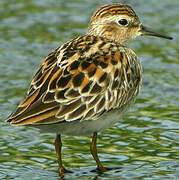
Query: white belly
{"points": [[83, 128]]}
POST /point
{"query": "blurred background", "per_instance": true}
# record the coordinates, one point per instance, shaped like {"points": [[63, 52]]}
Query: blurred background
{"points": [[143, 145]]}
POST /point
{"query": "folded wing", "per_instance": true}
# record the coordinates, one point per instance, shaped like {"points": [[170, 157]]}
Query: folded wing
{"points": [[81, 80]]}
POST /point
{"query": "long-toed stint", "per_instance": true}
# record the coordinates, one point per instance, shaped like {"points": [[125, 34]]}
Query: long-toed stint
{"points": [[81, 84]]}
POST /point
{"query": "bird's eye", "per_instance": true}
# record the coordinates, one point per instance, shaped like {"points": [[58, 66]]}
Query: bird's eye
{"points": [[123, 22]]}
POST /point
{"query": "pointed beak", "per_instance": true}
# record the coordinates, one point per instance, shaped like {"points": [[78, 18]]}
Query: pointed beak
{"points": [[147, 31]]}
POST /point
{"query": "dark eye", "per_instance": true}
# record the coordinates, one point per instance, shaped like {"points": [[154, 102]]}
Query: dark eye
{"points": [[123, 22]]}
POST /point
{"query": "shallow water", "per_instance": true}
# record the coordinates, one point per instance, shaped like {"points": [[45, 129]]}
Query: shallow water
{"points": [[143, 145]]}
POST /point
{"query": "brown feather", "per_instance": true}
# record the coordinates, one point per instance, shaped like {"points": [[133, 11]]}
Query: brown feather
{"points": [[72, 84]]}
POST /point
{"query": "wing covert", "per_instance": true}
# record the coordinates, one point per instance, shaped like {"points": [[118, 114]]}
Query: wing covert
{"points": [[79, 81]]}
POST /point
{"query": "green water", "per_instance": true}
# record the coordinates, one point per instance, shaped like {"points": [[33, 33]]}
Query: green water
{"points": [[143, 145]]}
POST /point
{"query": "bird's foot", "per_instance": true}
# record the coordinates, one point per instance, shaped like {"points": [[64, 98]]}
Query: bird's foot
{"points": [[63, 171]]}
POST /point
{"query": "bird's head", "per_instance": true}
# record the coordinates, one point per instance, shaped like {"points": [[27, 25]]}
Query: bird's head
{"points": [[119, 23]]}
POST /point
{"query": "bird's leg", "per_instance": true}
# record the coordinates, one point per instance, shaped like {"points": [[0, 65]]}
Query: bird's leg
{"points": [[58, 148], [94, 153]]}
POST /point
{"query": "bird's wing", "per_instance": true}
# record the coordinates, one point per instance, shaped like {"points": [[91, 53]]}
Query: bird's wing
{"points": [[78, 81]]}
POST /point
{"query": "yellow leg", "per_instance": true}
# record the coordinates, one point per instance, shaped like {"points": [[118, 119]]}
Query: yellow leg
{"points": [[95, 155], [58, 148]]}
